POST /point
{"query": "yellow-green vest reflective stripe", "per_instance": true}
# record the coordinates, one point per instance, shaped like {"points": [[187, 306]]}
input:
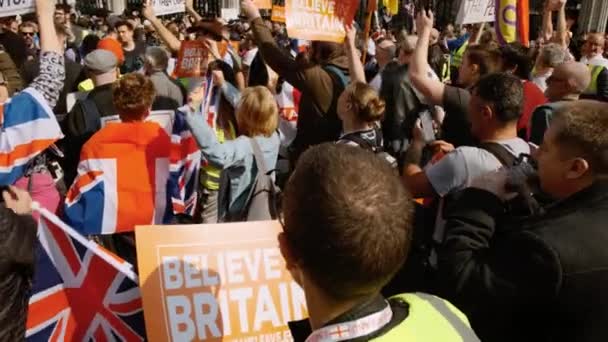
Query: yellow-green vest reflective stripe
{"points": [[210, 175], [430, 318], [446, 73], [459, 54], [86, 85], [595, 70]]}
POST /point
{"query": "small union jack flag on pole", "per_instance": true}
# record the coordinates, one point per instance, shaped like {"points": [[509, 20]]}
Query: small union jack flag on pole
{"points": [[81, 292]]}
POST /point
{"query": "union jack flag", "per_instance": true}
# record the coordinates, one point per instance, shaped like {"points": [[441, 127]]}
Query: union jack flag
{"points": [[185, 162], [81, 291], [28, 127], [123, 180]]}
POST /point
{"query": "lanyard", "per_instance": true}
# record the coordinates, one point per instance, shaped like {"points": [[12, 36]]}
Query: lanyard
{"points": [[353, 329]]}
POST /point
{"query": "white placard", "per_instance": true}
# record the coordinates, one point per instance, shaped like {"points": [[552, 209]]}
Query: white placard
{"points": [[476, 11], [14, 7], [72, 98], [164, 7], [162, 117]]}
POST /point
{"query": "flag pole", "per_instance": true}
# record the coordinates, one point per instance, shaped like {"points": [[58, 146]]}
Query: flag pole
{"points": [[372, 6]]}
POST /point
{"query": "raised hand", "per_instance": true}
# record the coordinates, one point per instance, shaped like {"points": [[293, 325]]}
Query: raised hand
{"points": [[425, 20], [250, 9]]}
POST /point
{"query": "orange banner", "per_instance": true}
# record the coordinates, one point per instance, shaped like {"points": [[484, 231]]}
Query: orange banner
{"points": [[192, 58], [278, 14], [313, 20], [216, 282], [263, 4]]}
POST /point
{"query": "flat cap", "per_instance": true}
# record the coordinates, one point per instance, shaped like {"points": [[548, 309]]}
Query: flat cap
{"points": [[100, 61]]}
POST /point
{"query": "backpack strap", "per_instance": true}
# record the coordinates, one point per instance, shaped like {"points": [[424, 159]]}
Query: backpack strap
{"points": [[500, 152], [258, 156], [357, 139], [338, 73], [91, 115]]}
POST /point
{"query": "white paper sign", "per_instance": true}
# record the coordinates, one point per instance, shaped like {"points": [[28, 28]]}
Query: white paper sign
{"points": [[476, 11], [14, 7], [162, 117], [164, 7]]}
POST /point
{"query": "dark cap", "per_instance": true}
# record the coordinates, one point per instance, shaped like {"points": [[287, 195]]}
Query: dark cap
{"points": [[210, 27]]}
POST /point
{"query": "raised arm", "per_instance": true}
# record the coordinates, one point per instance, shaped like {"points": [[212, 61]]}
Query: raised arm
{"points": [[52, 68], [190, 10], [430, 88], [547, 32], [562, 34], [172, 42], [281, 62], [354, 63]]}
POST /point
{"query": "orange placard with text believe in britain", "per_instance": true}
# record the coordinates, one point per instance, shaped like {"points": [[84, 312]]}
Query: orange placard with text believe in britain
{"points": [[318, 19], [193, 55], [219, 282], [278, 14]]}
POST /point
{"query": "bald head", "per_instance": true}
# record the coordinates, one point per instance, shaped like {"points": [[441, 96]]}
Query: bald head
{"points": [[568, 80], [594, 45], [578, 75], [385, 52], [434, 36]]}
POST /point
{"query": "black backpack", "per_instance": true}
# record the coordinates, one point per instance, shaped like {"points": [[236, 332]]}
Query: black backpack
{"points": [[262, 197]]}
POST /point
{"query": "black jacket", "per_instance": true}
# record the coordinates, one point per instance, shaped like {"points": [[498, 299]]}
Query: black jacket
{"points": [[76, 134], [74, 74], [537, 279], [402, 104], [17, 240]]}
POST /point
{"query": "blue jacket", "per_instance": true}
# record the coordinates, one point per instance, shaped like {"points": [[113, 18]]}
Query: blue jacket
{"points": [[235, 156]]}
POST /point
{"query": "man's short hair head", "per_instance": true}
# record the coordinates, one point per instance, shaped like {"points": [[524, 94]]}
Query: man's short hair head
{"points": [[28, 25], [126, 23], [504, 93], [133, 95], [347, 220], [157, 58], [596, 43], [582, 128], [551, 55], [516, 59], [570, 78]]}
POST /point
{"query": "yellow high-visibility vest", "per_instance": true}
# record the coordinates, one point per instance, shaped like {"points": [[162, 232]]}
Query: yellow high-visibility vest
{"points": [[430, 319], [595, 70], [210, 175], [459, 54]]}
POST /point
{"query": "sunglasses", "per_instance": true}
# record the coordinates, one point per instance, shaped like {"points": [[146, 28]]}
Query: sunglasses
{"points": [[29, 34]]}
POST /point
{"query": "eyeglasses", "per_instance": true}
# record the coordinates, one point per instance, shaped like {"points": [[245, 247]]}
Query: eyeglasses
{"points": [[29, 34]]}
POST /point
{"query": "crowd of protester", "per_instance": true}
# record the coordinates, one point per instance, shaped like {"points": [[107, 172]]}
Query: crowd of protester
{"points": [[441, 163]]}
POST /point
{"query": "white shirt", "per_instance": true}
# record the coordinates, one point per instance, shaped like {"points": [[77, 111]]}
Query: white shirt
{"points": [[597, 60], [249, 56]]}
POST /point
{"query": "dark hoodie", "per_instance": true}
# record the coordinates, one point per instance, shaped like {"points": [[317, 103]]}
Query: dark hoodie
{"points": [[318, 121]]}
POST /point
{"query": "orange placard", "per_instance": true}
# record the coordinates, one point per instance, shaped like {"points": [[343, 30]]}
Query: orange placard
{"points": [[278, 14], [192, 58], [313, 20], [216, 282], [223, 47], [263, 4]]}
